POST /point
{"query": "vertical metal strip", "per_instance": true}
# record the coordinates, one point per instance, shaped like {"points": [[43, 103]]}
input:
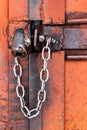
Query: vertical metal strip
{"points": [[35, 9], [34, 87]]}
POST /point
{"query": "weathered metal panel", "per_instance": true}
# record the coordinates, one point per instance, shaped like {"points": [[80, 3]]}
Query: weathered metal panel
{"points": [[53, 108], [3, 65], [52, 115], [51, 12], [18, 10], [76, 95], [76, 11], [16, 118]]}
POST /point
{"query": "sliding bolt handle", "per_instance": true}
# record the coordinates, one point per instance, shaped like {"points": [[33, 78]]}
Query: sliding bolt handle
{"points": [[19, 48]]}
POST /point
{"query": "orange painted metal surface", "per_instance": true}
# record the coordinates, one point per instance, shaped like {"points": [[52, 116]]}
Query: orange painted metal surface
{"points": [[76, 95], [53, 109], [35, 64], [16, 118], [3, 65], [76, 11], [67, 78], [18, 13], [51, 12], [54, 11], [18, 10]]}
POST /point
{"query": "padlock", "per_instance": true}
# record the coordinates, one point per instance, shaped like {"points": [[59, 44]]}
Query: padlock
{"points": [[19, 47]]}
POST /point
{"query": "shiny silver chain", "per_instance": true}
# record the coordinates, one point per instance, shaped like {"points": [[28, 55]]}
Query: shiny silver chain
{"points": [[44, 76]]}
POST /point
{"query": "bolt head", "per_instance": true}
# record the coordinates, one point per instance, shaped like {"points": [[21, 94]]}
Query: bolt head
{"points": [[41, 38]]}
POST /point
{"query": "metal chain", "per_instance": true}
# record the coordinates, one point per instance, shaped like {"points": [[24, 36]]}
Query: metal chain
{"points": [[44, 76]]}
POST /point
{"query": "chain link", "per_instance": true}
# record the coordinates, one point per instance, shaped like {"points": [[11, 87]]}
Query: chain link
{"points": [[44, 76]]}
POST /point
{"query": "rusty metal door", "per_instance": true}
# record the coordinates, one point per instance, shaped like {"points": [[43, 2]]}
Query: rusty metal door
{"points": [[66, 103]]}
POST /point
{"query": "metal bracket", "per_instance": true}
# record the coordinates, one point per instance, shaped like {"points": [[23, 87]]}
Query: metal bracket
{"points": [[34, 41], [38, 37]]}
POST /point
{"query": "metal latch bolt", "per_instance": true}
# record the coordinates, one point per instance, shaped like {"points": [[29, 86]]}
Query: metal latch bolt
{"points": [[21, 43]]}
